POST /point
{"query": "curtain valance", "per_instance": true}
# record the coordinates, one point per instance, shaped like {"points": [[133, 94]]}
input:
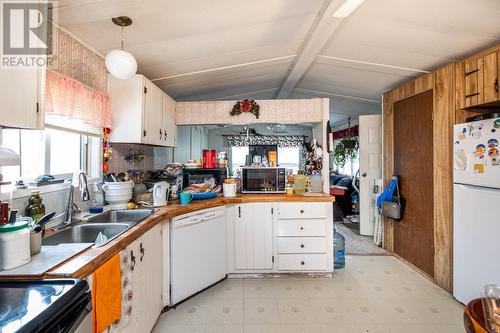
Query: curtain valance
{"points": [[72, 100]]}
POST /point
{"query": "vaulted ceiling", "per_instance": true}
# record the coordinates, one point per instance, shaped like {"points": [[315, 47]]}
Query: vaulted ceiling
{"points": [[265, 49]]}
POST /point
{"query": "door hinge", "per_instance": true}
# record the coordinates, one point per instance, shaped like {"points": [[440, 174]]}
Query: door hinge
{"points": [[144, 133], [272, 258], [145, 90]]}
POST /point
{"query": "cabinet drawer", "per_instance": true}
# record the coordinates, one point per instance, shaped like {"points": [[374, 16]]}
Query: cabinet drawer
{"points": [[302, 262], [302, 210], [301, 244], [293, 228]]}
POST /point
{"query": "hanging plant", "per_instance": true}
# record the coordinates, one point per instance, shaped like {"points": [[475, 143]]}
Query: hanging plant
{"points": [[246, 105], [346, 149]]}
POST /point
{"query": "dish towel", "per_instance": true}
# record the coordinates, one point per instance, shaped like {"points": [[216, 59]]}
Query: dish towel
{"points": [[127, 293], [106, 295]]}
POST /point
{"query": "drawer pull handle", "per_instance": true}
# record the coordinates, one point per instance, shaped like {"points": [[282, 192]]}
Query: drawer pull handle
{"points": [[302, 263], [301, 228], [302, 245], [302, 211]]}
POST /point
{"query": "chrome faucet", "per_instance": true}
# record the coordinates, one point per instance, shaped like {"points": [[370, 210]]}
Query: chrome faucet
{"points": [[72, 208]]}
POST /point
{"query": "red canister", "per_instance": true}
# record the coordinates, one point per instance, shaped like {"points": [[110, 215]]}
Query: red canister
{"points": [[209, 158]]}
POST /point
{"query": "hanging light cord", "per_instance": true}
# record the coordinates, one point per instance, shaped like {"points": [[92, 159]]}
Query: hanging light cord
{"points": [[123, 39]]}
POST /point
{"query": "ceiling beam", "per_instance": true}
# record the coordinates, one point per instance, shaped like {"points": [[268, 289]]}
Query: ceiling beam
{"points": [[327, 94], [320, 32], [215, 69], [373, 64]]}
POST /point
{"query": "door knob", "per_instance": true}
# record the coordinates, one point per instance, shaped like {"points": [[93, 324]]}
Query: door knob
{"points": [[363, 174]]}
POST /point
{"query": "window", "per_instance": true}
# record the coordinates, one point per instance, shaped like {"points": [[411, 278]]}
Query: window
{"points": [[350, 168], [289, 158], [53, 151], [238, 157]]}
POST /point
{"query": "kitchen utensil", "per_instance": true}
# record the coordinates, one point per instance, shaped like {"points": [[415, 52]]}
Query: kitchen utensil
{"points": [[44, 219], [160, 190], [186, 198], [36, 240], [229, 189], [14, 245]]}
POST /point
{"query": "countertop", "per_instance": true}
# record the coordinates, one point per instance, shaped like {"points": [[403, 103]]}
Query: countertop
{"points": [[88, 261]]}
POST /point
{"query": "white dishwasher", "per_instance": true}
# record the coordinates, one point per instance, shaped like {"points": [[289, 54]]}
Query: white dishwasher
{"points": [[197, 252]]}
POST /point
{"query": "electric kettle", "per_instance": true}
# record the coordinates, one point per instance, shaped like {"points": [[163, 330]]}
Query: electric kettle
{"points": [[160, 190]]}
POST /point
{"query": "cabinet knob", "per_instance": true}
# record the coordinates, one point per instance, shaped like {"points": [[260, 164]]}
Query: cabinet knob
{"points": [[302, 211], [302, 246], [301, 228], [302, 263]]}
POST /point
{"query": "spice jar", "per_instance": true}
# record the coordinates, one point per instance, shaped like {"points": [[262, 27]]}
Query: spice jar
{"points": [[35, 209]]}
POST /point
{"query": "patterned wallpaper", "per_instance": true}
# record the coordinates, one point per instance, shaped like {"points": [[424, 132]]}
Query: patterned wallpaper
{"points": [[281, 111], [72, 58]]}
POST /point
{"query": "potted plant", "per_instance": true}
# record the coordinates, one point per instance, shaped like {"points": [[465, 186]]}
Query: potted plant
{"points": [[346, 149]]}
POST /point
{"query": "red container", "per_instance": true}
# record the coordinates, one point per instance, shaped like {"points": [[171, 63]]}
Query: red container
{"points": [[209, 159]]}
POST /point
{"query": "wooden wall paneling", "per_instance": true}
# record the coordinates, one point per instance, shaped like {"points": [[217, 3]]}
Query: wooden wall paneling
{"points": [[410, 88], [399, 93], [424, 83], [414, 163], [388, 158], [444, 109]]}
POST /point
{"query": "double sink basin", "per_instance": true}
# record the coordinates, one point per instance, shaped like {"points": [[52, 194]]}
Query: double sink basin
{"points": [[99, 229]]}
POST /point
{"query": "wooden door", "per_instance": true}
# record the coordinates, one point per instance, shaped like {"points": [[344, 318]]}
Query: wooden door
{"points": [[413, 162]]}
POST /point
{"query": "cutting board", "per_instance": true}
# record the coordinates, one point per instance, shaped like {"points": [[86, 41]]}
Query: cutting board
{"points": [[49, 257]]}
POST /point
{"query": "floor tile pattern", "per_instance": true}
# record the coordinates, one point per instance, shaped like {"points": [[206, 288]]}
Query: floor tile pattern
{"points": [[373, 294]]}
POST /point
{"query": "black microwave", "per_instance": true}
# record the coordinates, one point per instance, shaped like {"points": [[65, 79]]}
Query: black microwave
{"points": [[263, 180], [200, 175]]}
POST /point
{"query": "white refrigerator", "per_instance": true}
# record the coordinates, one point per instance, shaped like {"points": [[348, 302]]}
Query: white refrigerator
{"points": [[476, 209]]}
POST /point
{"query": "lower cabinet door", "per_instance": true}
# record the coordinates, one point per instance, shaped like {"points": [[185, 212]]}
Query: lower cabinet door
{"points": [[302, 262]]}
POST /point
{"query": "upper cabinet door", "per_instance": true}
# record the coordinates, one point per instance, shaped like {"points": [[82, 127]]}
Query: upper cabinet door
{"points": [[478, 80], [152, 114], [20, 90], [169, 127]]}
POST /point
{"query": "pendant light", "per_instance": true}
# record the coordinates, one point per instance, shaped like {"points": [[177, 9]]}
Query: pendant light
{"points": [[121, 64]]}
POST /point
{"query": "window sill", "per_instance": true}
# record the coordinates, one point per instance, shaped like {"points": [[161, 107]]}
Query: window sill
{"points": [[26, 192]]}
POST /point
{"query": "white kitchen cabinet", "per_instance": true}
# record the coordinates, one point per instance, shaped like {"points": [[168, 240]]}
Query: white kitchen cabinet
{"points": [[22, 93], [253, 236], [142, 112], [169, 128], [146, 255], [304, 237]]}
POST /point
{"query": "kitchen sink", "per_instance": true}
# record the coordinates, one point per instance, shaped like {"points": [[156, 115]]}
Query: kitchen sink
{"points": [[87, 233], [121, 216]]}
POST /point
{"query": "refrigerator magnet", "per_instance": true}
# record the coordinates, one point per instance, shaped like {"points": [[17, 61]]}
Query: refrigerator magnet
{"points": [[495, 161], [492, 143], [480, 150], [496, 123], [475, 130], [478, 168], [493, 152], [461, 136], [460, 162]]}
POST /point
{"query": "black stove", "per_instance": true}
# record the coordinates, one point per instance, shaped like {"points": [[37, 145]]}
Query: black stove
{"points": [[43, 305]]}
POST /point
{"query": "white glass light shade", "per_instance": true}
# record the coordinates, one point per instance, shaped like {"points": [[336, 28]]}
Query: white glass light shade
{"points": [[121, 64]]}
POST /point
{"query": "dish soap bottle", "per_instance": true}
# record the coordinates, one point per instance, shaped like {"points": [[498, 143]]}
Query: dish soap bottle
{"points": [[35, 209]]}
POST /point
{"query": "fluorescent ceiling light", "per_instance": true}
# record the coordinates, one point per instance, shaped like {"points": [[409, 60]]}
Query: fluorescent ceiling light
{"points": [[347, 8]]}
